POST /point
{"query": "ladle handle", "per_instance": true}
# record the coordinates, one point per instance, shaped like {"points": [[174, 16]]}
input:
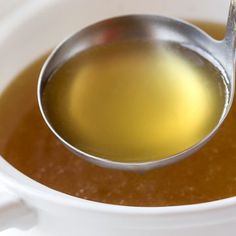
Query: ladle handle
{"points": [[230, 38]]}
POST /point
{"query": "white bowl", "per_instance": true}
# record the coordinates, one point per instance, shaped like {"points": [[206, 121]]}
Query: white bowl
{"points": [[29, 30]]}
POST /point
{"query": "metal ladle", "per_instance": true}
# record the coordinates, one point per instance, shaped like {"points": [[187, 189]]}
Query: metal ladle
{"points": [[147, 27]]}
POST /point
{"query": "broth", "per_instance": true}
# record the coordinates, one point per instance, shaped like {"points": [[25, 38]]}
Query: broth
{"points": [[28, 144], [135, 101]]}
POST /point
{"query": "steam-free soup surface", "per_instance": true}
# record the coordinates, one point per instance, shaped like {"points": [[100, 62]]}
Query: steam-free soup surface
{"points": [[135, 101], [27, 144]]}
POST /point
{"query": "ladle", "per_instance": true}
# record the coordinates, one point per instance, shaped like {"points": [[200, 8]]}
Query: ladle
{"points": [[147, 27]]}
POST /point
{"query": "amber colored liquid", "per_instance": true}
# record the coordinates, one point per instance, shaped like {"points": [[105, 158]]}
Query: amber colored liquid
{"points": [[135, 101], [27, 144]]}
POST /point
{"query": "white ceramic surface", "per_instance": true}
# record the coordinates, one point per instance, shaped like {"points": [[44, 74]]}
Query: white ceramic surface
{"points": [[27, 30]]}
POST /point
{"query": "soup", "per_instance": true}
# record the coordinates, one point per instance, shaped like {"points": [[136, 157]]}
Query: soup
{"points": [[28, 144], [135, 101]]}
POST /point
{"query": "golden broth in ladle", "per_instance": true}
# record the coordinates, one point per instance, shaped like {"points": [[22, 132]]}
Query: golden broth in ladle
{"points": [[135, 101]]}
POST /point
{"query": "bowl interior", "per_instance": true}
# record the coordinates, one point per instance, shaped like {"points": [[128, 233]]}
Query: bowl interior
{"points": [[36, 27]]}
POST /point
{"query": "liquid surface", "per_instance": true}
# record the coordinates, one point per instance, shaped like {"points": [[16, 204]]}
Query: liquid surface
{"points": [[27, 144], [135, 101]]}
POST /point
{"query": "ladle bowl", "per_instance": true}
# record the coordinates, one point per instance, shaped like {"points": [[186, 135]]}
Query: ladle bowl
{"points": [[157, 29]]}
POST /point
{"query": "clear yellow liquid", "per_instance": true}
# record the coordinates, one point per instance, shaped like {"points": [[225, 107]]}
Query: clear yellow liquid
{"points": [[135, 102]]}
